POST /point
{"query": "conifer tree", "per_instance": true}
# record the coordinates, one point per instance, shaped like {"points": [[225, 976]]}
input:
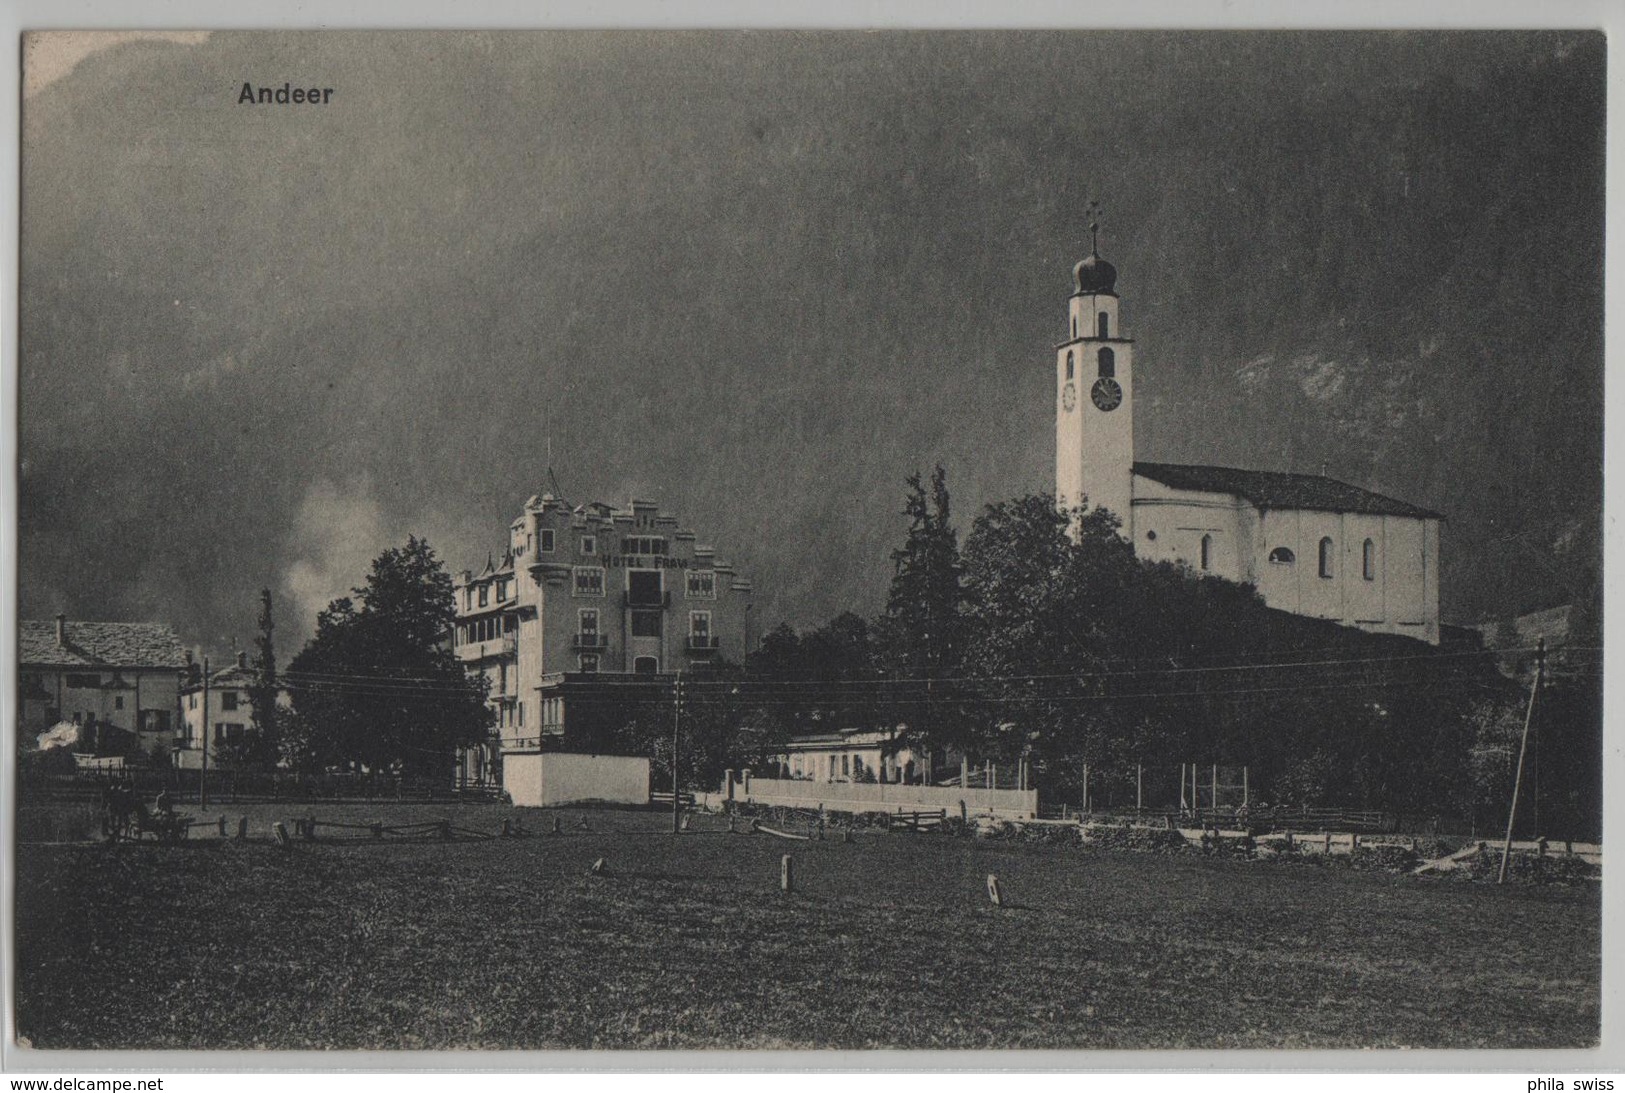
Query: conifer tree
{"points": [[266, 735]]}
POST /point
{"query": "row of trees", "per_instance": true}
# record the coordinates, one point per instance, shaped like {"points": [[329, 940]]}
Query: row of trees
{"points": [[1042, 637]]}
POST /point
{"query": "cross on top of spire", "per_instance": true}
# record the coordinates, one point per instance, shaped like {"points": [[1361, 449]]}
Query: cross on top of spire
{"points": [[1094, 227]]}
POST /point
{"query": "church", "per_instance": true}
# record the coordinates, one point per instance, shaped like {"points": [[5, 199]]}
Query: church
{"points": [[1310, 544]]}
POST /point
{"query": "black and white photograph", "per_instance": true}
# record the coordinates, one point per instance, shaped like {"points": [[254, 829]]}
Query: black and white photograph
{"points": [[808, 541]]}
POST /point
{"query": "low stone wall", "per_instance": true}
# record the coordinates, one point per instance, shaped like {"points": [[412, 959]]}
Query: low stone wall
{"points": [[1012, 804], [560, 778]]}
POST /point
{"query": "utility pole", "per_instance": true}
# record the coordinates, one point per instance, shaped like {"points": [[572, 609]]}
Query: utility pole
{"points": [[203, 776], [676, 737], [1523, 748]]}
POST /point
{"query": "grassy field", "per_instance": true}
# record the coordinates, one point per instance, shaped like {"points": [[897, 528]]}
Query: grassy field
{"points": [[685, 942]]}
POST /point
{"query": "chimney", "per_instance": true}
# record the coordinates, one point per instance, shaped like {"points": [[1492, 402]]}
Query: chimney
{"points": [[62, 630], [242, 658]]}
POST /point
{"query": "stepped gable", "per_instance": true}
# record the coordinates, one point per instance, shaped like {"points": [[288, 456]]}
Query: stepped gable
{"points": [[1281, 490]]}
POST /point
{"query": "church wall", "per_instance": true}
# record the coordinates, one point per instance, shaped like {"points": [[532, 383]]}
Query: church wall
{"points": [[1401, 597], [1169, 525]]}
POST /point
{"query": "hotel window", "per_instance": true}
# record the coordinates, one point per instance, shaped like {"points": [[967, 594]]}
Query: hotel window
{"points": [[1108, 363], [702, 584], [643, 588], [846, 766], [589, 544], [485, 594], [118, 702], [191, 702], [1326, 557], [589, 580], [1282, 556], [643, 544], [646, 666], [547, 540], [1207, 552], [1368, 560], [228, 700], [588, 617], [589, 662], [699, 629], [504, 589], [646, 624]]}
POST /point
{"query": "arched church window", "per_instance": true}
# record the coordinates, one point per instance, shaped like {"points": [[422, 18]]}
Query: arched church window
{"points": [[1103, 324], [1368, 560], [1326, 557], [1283, 556], [1108, 363], [1069, 364], [1207, 552]]}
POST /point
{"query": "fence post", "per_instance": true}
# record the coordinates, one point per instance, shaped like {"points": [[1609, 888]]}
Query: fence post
{"points": [[281, 830], [242, 828], [1328, 836], [994, 892], [222, 826], [787, 874]]}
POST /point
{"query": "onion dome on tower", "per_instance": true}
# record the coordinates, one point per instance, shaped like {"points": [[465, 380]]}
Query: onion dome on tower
{"points": [[1094, 274]]}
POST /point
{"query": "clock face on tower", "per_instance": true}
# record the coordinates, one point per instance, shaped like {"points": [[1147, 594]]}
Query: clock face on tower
{"points": [[1069, 397], [1106, 395]]}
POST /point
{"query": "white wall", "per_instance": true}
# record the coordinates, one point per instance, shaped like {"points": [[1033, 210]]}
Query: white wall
{"points": [[865, 797], [558, 778], [1169, 525], [1402, 596]]}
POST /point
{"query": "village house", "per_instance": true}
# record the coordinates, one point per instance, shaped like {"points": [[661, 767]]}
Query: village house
{"points": [[120, 681], [219, 717]]}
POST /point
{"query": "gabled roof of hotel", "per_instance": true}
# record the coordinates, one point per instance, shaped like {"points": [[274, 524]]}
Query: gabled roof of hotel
{"points": [[1280, 490], [100, 644]]}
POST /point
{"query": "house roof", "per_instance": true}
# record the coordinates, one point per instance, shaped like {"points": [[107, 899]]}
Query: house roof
{"points": [[99, 644], [1280, 490], [230, 676]]}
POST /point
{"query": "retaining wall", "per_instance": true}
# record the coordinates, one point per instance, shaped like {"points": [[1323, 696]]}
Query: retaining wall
{"points": [[1013, 804], [561, 778]]}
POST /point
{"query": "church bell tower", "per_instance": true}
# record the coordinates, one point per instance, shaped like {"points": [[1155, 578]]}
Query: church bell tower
{"points": [[1094, 394]]}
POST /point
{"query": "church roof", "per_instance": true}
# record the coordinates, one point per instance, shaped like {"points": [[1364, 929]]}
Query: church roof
{"points": [[1279, 490], [99, 644]]}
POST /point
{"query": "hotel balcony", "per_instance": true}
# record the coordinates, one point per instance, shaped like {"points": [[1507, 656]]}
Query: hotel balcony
{"points": [[702, 644], [636, 600], [590, 643], [504, 646]]}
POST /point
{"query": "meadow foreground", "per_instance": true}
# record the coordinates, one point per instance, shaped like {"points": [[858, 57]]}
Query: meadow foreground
{"points": [[687, 942]]}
